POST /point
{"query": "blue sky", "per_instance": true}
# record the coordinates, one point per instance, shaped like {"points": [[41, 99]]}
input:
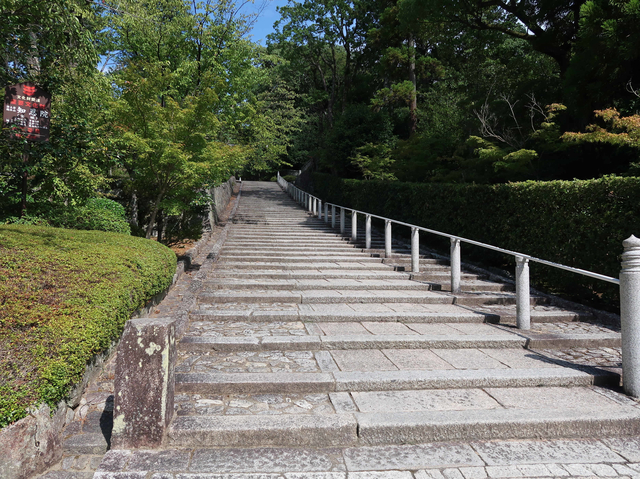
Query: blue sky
{"points": [[265, 22]]}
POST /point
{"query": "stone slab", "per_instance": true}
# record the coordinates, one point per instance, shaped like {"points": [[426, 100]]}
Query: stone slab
{"points": [[465, 378], [627, 447], [265, 460], [545, 397], [561, 451], [405, 359], [430, 426], [362, 360], [412, 457], [171, 460], [343, 402], [339, 328], [520, 358], [239, 383], [424, 400], [468, 359], [389, 341], [235, 431], [379, 328], [92, 443], [325, 361]]}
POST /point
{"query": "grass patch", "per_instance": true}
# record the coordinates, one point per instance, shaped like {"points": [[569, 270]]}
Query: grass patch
{"points": [[64, 297]]}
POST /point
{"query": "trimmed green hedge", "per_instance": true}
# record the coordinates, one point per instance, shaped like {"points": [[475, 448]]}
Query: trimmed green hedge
{"points": [[576, 223], [65, 296]]}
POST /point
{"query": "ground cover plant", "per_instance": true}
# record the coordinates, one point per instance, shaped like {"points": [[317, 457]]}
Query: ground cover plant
{"points": [[64, 297]]}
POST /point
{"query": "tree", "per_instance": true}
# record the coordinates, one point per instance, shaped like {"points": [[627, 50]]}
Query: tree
{"points": [[329, 35], [549, 26], [51, 44]]}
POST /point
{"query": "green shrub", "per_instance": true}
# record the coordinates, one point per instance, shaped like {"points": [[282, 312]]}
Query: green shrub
{"points": [[99, 214], [576, 223], [290, 178], [65, 297]]}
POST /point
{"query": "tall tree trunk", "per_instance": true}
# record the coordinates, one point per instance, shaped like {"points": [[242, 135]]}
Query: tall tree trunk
{"points": [[413, 104], [161, 226], [134, 210], [154, 213]]}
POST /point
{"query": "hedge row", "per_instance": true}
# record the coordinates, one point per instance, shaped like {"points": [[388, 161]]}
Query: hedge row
{"points": [[64, 297], [576, 223]]}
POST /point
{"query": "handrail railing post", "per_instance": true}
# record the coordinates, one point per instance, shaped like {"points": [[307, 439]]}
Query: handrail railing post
{"points": [[333, 216], [326, 212], [367, 232], [354, 226], [387, 238], [523, 305], [342, 221], [630, 315], [319, 209], [455, 265], [415, 250]]}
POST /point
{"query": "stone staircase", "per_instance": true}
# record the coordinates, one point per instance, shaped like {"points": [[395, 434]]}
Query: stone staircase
{"points": [[302, 339]]}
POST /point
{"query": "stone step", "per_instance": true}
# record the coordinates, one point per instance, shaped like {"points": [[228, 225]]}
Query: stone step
{"points": [[349, 254], [342, 247], [406, 263], [207, 384], [320, 313], [294, 236], [349, 342], [284, 265], [324, 296], [223, 272], [314, 284], [302, 258], [505, 459], [422, 416], [473, 299], [472, 286]]}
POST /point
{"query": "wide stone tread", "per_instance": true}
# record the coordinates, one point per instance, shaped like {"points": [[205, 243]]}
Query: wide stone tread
{"points": [[348, 266], [296, 284], [246, 431], [340, 316], [323, 297], [349, 381], [353, 341], [386, 428], [222, 274], [471, 425]]}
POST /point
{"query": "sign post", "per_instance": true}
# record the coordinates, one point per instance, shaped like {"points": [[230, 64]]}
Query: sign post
{"points": [[27, 107]]}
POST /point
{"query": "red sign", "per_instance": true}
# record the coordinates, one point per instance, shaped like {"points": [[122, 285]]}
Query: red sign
{"points": [[28, 107]]}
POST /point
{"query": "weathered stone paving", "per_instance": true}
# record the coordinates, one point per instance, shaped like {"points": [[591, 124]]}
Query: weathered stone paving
{"points": [[308, 357], [483, 459]]}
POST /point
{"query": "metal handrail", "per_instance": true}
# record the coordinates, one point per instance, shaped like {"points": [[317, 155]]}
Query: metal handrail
{"points": [[523, 312], [583, 272]]}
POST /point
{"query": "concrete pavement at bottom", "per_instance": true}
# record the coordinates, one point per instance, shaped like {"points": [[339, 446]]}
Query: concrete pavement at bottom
{"points": [[567, 458]]}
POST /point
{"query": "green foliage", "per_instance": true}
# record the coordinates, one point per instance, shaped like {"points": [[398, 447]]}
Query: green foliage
{"points": [[100, 214], [576, 223], [66, 295], [374, 161]]}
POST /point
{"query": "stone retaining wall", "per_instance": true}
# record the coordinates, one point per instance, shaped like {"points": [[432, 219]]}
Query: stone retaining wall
{"points": [[221, 196]]}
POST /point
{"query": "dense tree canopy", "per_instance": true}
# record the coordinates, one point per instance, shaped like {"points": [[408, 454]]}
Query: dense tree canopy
{"points": [[154, 101]]}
